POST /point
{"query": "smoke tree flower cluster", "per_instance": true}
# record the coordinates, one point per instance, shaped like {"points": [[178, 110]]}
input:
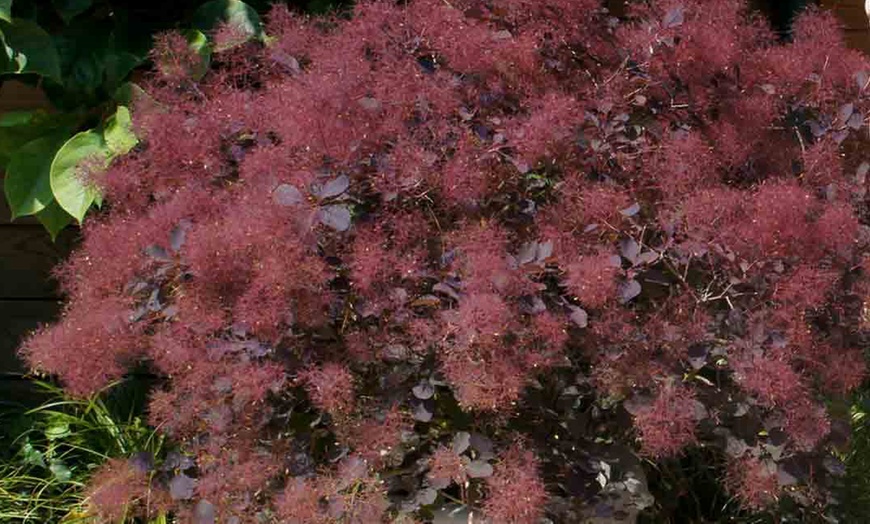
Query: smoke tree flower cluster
{"points": [[359, 255]]}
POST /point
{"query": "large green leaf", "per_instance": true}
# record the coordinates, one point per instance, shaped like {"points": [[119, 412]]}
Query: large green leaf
{"points": [[116, 66], [54, 218], [118, 132], [83, 152], [20, 127], [6, 10], [18, 118], [232, 12], [199, 43], [69, 9], [32, 49], [28, 176]]}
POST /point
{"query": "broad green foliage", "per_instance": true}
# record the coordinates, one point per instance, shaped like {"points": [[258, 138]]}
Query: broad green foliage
{"points": [[234, 13], [30, 49], [84, 67], [27, 182], [52, 450], [89, 151]]}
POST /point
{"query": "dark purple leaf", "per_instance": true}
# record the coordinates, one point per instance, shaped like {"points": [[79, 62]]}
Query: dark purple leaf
{"points": [[169, 312], [336, 217], [153, 303], [647, 257], [856, 121], [532, 305], [673, 18], [286, 61], [178, 235], [424, 390], [461, 442], [204, 513], [142, 461], [698, 356], [478, 469], [629, 249], [628, 290], [527, 253], [423, 411], [175, 460], [834, 466], [157, 253], [426, 496], [578, 316], [631, 210], [845, 112], [862, 78], [181, 487], [287, 195], [369, 104], [334, 187], [816, 128], [446, 290], [481, 443]]}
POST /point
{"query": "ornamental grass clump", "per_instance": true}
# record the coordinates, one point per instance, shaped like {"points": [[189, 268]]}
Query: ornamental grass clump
{"points": [[372, 254]]}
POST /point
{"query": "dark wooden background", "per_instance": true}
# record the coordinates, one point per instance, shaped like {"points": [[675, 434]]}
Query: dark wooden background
{"points": [[28, 295]]}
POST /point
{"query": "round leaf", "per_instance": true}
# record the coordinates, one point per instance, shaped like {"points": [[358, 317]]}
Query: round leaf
{"points": [[70, 191], [119, 132], [336, 217], [57, 430], [33, 50], [60, 471], [28, 176], [181, 487], [479, 469], [204, 513], [6, 10], [233, 12], [423, 390], [628, 290], [461, 442], [199, 43], [69, 9]]}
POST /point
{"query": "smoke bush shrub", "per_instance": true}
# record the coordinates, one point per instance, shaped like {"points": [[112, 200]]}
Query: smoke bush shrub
{"points": [[366, 253]]}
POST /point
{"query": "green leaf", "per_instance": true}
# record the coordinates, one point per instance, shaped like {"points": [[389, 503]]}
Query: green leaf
{"points": [[54, 219], [117, 65], [20, 129], [73, 194], [69, 9], [233, 12], [28, 176], [118, 132], [57, 430], [5, 52], [31, 455], [6, 10], [199, 43], [32, 49], [18, 118], [129, 93], [60, 471]]}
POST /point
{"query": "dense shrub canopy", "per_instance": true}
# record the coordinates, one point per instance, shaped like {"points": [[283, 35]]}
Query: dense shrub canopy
{"points": [[459, 247]]}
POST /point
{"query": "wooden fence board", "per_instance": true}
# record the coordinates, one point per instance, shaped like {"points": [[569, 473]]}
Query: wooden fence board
{"points": [[27, 256], [20, 317]]}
